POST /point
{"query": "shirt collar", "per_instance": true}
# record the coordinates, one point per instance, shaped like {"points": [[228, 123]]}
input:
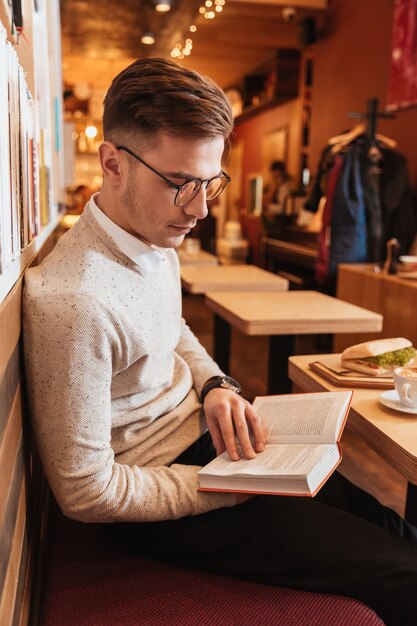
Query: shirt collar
{"points": [[142, 254]]}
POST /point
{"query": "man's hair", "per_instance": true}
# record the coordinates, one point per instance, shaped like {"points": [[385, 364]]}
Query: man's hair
{"points": [[153, 95]]}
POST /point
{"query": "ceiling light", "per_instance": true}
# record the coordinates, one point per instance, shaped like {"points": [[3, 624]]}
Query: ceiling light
{"points": [[148, 39], [82, 91], [163, 5], [91, 131]]}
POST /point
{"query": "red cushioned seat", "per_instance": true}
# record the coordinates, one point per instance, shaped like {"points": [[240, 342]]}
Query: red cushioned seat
{"points": [[91, 581]]}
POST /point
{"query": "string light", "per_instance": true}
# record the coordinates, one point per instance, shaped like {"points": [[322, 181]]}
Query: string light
{"points": [[182, 50]]}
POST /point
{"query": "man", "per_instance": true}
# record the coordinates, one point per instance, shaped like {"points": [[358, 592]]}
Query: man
{"points": [[276, 198], [277, 192], [116, 378]]}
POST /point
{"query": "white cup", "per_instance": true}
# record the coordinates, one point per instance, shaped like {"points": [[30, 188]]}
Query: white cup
{"points": [[405, 382]]}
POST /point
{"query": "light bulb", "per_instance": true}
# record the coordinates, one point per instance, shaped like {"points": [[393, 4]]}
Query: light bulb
{"points": [[162, 6], [91, 131], [148, 39]]}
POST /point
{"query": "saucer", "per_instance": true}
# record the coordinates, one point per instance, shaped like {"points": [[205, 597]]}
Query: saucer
{"points": [[390, 399]]}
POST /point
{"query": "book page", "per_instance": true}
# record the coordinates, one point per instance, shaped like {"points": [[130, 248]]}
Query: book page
{"points": [[287, 460], [307, 417]]}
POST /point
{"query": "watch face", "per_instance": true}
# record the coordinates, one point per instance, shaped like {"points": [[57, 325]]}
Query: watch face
{"points": [[230, 383]]}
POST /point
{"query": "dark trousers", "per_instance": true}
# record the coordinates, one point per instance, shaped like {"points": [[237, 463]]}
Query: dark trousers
{"points": [[343, 541]]}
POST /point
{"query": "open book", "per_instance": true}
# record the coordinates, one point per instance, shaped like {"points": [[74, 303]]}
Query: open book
{"points": [[302, 449]]}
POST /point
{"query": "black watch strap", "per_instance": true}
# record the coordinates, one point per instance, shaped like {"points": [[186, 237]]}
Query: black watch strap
{"points": [[225, 382]]}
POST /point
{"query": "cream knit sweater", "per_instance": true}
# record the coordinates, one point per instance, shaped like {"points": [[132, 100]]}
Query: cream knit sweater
{"points": [[113, 374]]}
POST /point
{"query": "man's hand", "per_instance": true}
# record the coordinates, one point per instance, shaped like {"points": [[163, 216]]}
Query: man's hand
{"points": [[230, 417]]}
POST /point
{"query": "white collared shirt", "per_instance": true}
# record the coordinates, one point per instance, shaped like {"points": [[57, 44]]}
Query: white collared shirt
{"points": [[142, 254]]}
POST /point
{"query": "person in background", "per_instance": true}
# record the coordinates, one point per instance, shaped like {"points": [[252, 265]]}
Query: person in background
{"points": [[127, 405], [276, 198]]}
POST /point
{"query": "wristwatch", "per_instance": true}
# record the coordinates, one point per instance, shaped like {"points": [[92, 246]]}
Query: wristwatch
{"points": [[225, 382]]}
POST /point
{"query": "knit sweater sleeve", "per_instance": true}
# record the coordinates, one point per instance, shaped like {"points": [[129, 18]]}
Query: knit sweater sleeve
{"points": [[199, 361], [71, 347]]}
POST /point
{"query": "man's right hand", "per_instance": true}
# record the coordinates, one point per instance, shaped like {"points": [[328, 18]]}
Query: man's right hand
{"points": [[231, 419]]}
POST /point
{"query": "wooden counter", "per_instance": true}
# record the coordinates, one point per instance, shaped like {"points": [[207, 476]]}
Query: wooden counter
{"points": [[393, 297]]}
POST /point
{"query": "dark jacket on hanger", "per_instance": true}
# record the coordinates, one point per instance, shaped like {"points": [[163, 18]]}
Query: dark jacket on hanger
{"points": [[348, 225], [378, 194]]}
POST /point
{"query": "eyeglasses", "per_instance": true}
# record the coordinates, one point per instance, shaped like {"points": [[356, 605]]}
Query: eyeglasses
{"points": [[188, 190]]}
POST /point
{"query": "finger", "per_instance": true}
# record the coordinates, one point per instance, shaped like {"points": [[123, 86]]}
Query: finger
{"points": [[257, 427], [228, 432], [217, 438], [242, 429]]}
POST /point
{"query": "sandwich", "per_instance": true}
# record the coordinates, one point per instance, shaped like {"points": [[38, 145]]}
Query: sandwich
{"points": [[378, 357]]}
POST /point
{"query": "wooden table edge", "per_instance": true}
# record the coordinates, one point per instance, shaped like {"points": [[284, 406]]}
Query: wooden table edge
{"points": [[251, 328], [202, 288]]}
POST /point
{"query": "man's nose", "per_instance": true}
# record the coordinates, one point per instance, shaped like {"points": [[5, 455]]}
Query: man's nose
{"points": [[198, 206]]}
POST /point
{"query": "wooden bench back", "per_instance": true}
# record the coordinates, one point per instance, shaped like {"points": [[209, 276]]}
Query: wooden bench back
{"points": [[22, 487]]}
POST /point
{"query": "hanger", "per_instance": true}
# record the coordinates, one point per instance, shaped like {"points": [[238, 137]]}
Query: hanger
{"points": [[387, 141], [340, 142], [345, 138]]}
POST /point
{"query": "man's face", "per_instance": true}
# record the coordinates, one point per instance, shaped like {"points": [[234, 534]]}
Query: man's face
{"points": [[147, 202]]}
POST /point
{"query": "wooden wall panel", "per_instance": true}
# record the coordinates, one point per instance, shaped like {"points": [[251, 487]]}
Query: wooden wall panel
{"points": [[22, 501], [17, 557], [10, 443], [8, 386], [10, 325]]}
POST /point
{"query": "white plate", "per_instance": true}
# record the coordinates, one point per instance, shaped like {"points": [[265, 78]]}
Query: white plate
{"points": [[390, 399]]}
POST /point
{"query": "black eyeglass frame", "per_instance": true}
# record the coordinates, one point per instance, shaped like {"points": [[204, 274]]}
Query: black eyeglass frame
{"points": [[199, 181]]}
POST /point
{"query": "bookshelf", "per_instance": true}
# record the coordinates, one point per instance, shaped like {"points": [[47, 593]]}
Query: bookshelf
{"points": [[31, 146]]}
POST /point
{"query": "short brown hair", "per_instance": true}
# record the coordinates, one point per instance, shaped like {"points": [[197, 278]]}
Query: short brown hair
{"points": [[154, 94]]}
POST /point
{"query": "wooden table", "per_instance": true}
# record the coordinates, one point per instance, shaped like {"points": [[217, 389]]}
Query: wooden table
{"points": [[393, 435], [197, 258], [282, 316], [230, 278]]}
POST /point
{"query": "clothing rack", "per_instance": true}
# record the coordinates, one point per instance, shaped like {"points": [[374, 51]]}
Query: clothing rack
{"points": [[371, 116]]}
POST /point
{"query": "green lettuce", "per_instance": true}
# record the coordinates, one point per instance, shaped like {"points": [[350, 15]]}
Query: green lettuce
{"points": [[397, 357]]}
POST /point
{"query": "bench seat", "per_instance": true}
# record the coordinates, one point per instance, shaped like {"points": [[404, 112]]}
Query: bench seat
{"points": [[89, 580]]}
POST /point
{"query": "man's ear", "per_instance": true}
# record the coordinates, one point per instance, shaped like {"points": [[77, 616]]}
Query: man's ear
{"points": [[112, 163]]}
